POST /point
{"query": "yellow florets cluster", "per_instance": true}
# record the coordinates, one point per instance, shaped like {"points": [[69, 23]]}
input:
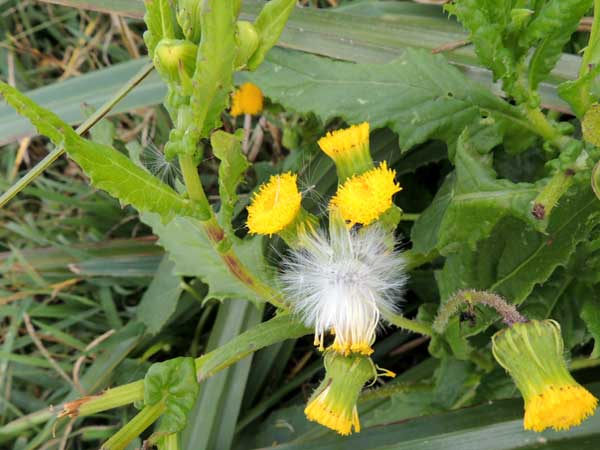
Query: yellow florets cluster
{"points": [[324, 412], [248, 99], [559, 407], [341, 142], [275, 205], [364, 198]]}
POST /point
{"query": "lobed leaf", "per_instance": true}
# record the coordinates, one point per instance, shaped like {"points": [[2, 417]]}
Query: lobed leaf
{"points": [[549, 31], [269, 24], [471, 202], [233, 164], [419, 96], [107, 168], [189, 247], [213, 78], [173, 383]]}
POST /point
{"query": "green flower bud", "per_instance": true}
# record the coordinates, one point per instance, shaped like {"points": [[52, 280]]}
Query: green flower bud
{"points": [[247, 41], [188, 17], [175, 59]]}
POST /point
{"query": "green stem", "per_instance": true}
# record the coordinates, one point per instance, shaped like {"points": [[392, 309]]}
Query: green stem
{"points": [[409, 217], [584, 363], [193, 184], [408, 324], [545, 129], [109, 399], [84, 127], [171, 442], [146, 417], [390, 389], [548, 198]]}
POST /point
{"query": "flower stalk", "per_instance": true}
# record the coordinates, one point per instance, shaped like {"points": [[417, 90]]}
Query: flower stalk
{"points": [[146, 417]]}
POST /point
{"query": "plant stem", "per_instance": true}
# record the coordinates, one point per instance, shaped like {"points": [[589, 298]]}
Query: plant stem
{"points": [[109, 399], [545, 129], [84, 127], [408, 324], [548, 198], [171, 442], [194, 185], [146, 417]]}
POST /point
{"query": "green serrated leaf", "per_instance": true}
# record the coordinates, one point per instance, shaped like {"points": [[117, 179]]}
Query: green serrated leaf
{"points": [[173, 383], [233, 164], [471, 202], [190, 249], [160, 23], [213, 78], [487, 21], [107, 168], [577, 92], [419, 96], [549, 31], [515, 258], [269, 24]]}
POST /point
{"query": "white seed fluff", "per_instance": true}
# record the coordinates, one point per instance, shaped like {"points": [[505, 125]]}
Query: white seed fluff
{"points": [[343, 281]]}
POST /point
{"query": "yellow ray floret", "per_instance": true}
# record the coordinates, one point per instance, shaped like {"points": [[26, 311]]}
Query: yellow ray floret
{"points": [[275, 205], [341, 142], [364, 198], [326, 413], [559, 407], [248, 99]]}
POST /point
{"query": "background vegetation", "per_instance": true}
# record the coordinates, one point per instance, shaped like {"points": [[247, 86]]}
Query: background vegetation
{"points": [[88, 300]]}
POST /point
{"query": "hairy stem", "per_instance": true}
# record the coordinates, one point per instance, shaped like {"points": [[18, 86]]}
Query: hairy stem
{"points": [[470, 297], [84, 127], [408, 324]]}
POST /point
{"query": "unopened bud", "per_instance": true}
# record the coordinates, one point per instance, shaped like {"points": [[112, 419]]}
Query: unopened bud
{"points": [[175, 59]]}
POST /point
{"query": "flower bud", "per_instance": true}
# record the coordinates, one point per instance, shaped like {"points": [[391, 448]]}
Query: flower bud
{"points": [[175, 59], [247, 42], [532, 353], [333, 404]]}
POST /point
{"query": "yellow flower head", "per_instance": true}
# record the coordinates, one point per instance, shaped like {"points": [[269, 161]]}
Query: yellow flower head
{"points": [[333, 404], [275, 205], [559, 407], [532, 353], [346, 141], [349, 149], [364, 198], [248, 99]]}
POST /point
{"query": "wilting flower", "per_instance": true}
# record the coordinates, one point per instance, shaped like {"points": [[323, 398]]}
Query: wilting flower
{"points": [[333, 404], [275, 206], [349, 149], [364, 198], [532, 353], [342, 282], [248, 99]]}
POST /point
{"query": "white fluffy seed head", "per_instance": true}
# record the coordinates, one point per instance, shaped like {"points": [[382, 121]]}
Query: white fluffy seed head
{"points": [[343, 281]]}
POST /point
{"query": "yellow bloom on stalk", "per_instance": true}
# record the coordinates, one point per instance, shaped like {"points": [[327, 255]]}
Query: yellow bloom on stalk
{"points": [[364, 198], [248, 99], [349, 149], [275, 206], [532, 353]]}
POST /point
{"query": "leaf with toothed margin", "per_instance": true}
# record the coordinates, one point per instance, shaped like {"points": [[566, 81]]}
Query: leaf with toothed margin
{"points": [[420, 96], [107, 168], [189, 247]]}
